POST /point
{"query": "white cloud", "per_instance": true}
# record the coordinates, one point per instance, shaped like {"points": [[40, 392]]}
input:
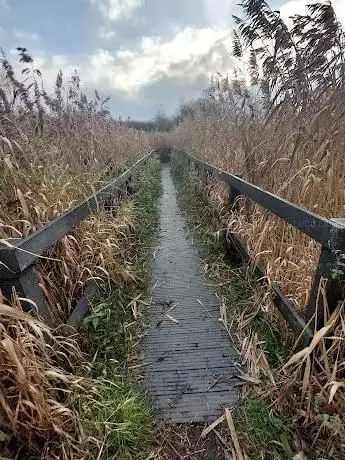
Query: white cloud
{"points": [[115, 10], [299, 7], [218, 12], [106, 34], [189, 54], [4, 4], [26, 36], [155, 71]]}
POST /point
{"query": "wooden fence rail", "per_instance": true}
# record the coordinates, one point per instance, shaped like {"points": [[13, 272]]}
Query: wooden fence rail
{"points": [[18, 257], [330, 233]]}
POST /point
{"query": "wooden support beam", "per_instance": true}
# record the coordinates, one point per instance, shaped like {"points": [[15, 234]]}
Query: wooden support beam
{"points": [[328, 274], [26, 286], [283, 304], [234, 194], [83, 305], [321, 229]]}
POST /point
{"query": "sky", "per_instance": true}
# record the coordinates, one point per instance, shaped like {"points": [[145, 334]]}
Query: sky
{"points": [[148, 55]]}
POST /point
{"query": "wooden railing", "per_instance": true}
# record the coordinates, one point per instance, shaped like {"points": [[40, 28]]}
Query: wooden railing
{"points": [[18, 257], [330, 233]]}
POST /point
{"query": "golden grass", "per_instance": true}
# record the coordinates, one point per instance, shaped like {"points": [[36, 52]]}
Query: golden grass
{"points": [[297, 157], [309, 389], [57, 175], [56, 150], [33, 419], [95, 251]]}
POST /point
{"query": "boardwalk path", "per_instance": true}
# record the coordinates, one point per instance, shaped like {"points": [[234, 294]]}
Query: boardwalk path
{"points": [[190, 375]]}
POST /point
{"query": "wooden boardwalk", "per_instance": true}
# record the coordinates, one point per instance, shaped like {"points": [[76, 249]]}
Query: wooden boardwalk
{"points": [[191, 367]]}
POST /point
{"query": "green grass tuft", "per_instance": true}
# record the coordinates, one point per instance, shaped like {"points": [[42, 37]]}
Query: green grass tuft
{"points": [[117, 420], [274, 345], [264, 429]]}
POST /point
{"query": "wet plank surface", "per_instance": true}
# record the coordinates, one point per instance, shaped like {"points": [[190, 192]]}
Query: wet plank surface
{"points": [[191, 368]]}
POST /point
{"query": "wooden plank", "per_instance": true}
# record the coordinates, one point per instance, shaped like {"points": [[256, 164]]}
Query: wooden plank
{"points": [[325, 231], [184, 361], [25, 253]]}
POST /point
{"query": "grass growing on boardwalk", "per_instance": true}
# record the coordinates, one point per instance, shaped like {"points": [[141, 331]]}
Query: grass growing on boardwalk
{"points": [[264, 432], [118, 420]]}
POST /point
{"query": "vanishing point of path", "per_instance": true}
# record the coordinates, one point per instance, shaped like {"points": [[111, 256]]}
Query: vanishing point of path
{"points": [[190, 359]]}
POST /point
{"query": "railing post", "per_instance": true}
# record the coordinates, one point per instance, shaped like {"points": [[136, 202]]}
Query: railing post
{"points": [[129, 186], [327, 273], [23, 282], [27, 287], [233, 206], [204, 183], [233, 196]]}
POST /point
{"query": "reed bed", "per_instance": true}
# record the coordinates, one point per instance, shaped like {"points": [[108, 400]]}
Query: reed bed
{"points": [[55, 149], [298, 158], [280, 125], [292, 401], [34, 422]]}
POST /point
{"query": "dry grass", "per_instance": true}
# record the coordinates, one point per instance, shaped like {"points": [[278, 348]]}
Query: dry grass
{"points": [[107, 415], [299, 158], [97, 251], [34, 422], [54, 177], [55, 149], [306, 389], [313, 380]]}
